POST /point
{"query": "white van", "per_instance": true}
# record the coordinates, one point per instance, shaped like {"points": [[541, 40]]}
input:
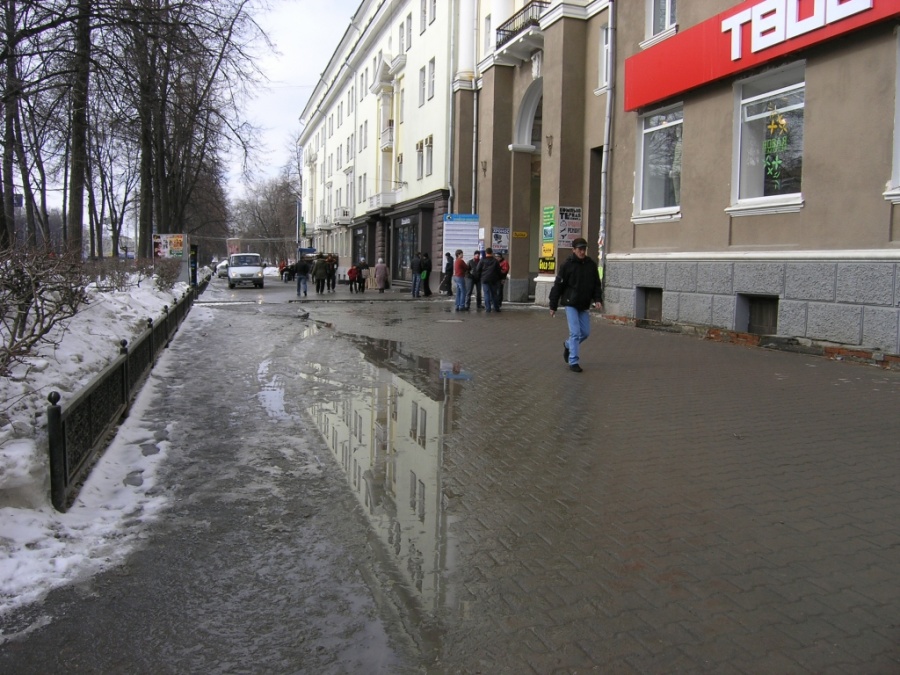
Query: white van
{"points": [[245, 268]]}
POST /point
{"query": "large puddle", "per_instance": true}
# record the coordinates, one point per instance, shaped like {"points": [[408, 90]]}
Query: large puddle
{"points": [[386, 430]]}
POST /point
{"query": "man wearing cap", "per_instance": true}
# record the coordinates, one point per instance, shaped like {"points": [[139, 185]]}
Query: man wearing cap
{"points": [[576, 287]]}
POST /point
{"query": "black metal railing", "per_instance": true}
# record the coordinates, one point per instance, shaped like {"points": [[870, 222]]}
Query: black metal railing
{"points": [[78, 433], [529, 15]]}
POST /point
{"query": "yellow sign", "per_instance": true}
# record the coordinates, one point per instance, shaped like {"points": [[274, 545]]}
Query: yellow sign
{"points": [[520, 235], [547, 265], [547, 249]]}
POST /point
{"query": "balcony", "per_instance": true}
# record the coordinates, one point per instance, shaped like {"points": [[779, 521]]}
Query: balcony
{"points": [[521, 36], [387, 137], [342, 215], [322, 223], [382, 200]]}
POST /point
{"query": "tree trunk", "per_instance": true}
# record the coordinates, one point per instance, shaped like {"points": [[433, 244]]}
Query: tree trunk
{"points": [[82, 68]]}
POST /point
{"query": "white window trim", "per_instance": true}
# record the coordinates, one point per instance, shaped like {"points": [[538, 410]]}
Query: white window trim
{"points": [[892, 194], [658, 215], [659, 37], [603, 63], [757, 206]]}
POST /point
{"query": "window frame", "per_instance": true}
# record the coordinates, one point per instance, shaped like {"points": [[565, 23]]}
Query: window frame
{"points": [[432, 67], [659, 213], [771, 204], [892, 194], [422, 82], [671, 23]]}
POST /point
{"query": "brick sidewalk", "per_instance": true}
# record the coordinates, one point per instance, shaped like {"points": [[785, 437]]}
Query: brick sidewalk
{"points": [[681, 506]]}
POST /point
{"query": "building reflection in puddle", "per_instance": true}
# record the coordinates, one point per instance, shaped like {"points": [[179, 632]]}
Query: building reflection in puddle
{"points": [[387, 433]]}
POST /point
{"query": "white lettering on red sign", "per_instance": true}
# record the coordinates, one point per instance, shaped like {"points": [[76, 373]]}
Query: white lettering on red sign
{"points": [[774, 21]]}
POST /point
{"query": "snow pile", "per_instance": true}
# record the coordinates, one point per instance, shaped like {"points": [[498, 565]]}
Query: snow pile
{"points": [[39, 547]]}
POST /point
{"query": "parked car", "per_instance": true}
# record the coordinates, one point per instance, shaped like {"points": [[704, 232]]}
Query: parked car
{"points": [[245, 268], [222, 269]]}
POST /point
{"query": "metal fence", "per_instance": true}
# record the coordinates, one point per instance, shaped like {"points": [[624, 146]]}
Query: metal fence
{"points": [[79, 433]]}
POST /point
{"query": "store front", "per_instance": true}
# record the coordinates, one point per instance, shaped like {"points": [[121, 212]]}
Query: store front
{"points": [[404, 246], [360, 244]]}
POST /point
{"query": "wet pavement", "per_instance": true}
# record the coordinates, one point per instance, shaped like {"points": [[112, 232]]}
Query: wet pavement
{"points": [[376, 484]]}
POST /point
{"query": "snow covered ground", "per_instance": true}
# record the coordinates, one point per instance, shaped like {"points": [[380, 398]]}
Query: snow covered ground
{"points": [[40, 548]]}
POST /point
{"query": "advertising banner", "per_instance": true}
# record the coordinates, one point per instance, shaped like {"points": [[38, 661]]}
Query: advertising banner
{"points": [[168, 245]]}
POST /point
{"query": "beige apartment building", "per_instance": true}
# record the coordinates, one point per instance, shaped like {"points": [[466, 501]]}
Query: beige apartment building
{"points": [[734, 164]]}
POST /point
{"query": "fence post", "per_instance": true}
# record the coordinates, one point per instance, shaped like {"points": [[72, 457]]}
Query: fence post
{"points": [[57, 453], [126, 378]]}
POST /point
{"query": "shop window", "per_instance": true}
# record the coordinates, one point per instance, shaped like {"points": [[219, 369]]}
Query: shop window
{"points": [[770, 130], [893, 192], [659, 180]]}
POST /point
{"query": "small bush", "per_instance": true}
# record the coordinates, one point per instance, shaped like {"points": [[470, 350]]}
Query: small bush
{"points": [[38, 289], [167, 271]]}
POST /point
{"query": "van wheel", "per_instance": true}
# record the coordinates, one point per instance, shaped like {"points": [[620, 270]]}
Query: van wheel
{"points": [[230, 286]]}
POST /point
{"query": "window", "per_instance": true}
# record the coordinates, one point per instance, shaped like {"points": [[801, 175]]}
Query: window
{"points": [[402, 105], [659, 181], [431, 65], [340, 157], [433, 11], [603, 66], [488, 36], [893, 192], [365, 136], [423, 16], [423, 420], [400, 170], [770, 163], [420, 160], [402, 36], [662, 16], [414, 420], [429, 155], [408, 31], [422, 87]]}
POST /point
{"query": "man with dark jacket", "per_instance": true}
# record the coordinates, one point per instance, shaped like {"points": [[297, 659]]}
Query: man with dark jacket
{"points": [[488, 271], [415, 268], [473, 282], [577, 287]]}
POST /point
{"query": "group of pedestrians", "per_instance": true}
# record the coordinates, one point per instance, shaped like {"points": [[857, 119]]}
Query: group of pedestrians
{"points": [[483, 275], [577, 287]]}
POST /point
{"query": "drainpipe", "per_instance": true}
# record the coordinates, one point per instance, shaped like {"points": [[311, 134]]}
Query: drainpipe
{"points": [[451, 135], [607, 140]]}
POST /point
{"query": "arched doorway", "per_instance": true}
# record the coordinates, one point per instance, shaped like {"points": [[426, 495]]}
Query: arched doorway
{"points": [[525, 221]]}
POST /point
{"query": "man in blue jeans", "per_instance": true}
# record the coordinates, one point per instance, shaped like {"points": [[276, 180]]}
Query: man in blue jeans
{"points": [[577, 287]]}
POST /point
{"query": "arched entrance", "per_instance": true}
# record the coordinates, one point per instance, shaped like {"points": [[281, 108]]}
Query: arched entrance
{"points": [[525, 186]]}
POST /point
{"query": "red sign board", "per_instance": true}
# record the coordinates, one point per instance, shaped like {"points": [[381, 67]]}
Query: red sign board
{"points": [[743, 37]]}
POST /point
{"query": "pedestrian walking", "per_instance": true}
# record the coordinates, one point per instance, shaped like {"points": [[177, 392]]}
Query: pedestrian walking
{"points": [[301, 270], [362, 275], [446, 285], [426, 275], [415, 268], [381, 275], [352, 274], [330, 273], [489, 274], [473, 282], [577, 287], [460, 268], [319, 272]]}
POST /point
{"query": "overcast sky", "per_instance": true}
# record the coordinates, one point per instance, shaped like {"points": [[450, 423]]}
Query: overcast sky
{"points": [[305, 33]]}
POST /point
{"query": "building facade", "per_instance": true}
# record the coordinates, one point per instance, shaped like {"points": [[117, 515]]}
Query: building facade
{"points": [[755, 180], [736, 163], [379, 137]]}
